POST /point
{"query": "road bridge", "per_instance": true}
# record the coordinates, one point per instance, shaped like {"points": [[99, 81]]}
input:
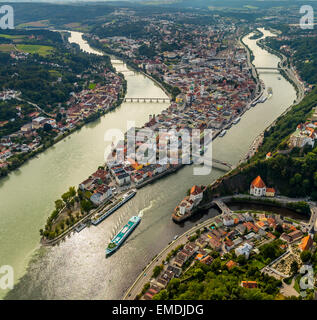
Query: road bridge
{"points": [[268, 68], [222, 206], [208, 161]]}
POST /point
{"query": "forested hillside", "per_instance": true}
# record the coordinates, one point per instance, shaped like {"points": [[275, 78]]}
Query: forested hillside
{"points": [[293, 174], [303, 53], [40, 65]]}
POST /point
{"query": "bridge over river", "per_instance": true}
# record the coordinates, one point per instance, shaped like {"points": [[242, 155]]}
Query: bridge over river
{"points": [[222, 206], [146, 99], [212, 162], [269, 69]]}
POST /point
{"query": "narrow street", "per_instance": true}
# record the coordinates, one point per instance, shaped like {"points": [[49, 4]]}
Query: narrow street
{"points": [[146, 274]]}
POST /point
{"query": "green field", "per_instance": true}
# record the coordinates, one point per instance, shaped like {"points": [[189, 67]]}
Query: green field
{"points": [[250, 7], [92, 86], [36, 24], [7, 36], [55, 73], [33, 48], [6, 47]]}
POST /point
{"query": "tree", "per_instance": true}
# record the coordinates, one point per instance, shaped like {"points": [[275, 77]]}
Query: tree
{"points": [[162, 295], [198, 274], [315, 179], [216, 264], [173, 287], [65, 197], [86, 205], [47, 127], [59, 204], [144, 50], [279, 229], [270, 250], [298, 178], [58, 117], [255, 294], [157, 270], [305, 256], [72, 191], [241, 259], [294, 267], [146, 287]]}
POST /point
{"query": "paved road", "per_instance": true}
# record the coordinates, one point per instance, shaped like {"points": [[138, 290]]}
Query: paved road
{"points": [[146, 274], [313, 218], [291, 73], [288, 290], [34, 105]]}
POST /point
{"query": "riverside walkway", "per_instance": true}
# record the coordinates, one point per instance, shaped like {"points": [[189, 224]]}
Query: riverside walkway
{"points": [[146, 275]]}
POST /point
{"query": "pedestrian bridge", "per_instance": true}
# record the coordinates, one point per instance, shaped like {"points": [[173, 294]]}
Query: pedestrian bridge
{"points": [[145, 99]]}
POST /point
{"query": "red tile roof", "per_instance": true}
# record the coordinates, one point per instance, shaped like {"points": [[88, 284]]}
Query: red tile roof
{"points": [[249, 284], [230, 264], [306, 243], [258, 182], [195, 190]]}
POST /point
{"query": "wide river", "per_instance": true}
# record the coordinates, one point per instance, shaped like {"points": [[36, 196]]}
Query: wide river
{"points": [[77, 268]]}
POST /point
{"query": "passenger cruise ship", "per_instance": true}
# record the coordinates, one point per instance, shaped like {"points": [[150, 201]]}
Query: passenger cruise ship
{"points": [[122, 235], [103, 215]]}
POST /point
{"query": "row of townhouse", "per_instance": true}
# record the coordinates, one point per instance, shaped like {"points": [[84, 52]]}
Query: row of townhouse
{"points": [[98, 185]]}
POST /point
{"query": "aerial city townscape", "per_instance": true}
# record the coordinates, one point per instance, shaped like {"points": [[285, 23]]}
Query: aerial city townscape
{"points": [[158, 150]]}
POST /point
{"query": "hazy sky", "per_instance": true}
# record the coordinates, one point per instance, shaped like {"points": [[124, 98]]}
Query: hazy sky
{"points": [[63, 1], [68, 0]]}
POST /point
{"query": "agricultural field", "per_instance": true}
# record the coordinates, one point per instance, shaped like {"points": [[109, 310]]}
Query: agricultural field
{"points": [[8, 36], [32, 48], [36, 24], [6, 47], [78, 27]]}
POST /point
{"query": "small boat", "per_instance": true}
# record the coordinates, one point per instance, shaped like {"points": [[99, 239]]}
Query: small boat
{"points": [[262, 100], [235, 121], [222, 133], [175, 237], [80, 227]]}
